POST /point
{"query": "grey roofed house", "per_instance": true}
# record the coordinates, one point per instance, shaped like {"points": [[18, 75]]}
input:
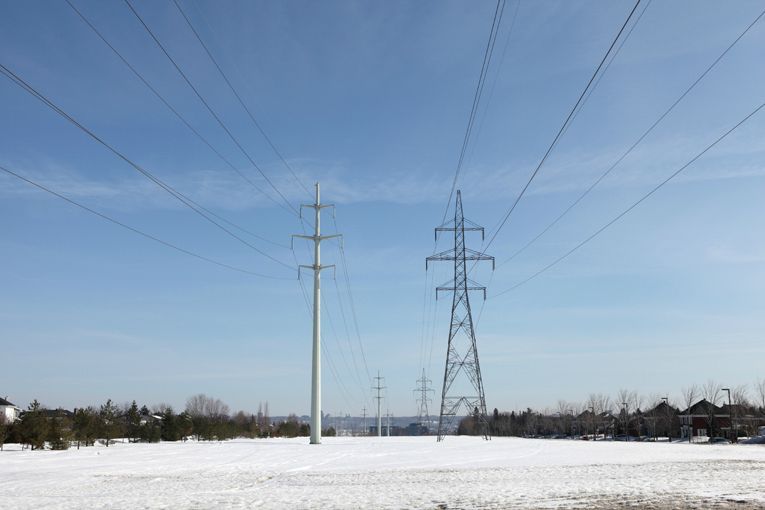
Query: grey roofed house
{"points": [[9, 410]]}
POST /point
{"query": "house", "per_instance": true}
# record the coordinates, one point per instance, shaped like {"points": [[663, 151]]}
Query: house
{"points": [[745, 419], [704, 419], [662, 421], [589, 424], [9, 410]]}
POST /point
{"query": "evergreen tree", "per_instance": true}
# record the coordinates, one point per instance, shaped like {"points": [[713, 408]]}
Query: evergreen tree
{"points": [[150, 431], [133, 423], [170, 426], [185, 425], [34, 426], [57, 438], [110, 426], [85, 427]]}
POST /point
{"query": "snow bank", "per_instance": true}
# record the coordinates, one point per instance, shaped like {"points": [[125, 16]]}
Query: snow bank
{"points": [[391, 472]]}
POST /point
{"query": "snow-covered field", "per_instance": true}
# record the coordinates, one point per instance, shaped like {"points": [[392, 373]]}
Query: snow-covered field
{"points": [[461, 472]]}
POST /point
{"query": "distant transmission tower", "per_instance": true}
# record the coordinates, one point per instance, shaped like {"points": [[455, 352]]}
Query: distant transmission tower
{"points": [[423, 388], [461, 354], [379, 398]]}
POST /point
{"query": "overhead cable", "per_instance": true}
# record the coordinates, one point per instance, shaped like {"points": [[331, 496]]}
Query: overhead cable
{"points": [[181, 118], [561, 130], [212, 112], [169, 189], [135, 230], [241, 102], [488, 52], [635, 144], [634, 205]]}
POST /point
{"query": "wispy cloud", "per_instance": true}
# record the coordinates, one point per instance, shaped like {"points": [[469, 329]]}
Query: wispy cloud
{"points": [[727, 255], [569, 171]]}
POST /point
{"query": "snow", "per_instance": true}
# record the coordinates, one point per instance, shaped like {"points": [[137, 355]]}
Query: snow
{"points": [[395, 472]]}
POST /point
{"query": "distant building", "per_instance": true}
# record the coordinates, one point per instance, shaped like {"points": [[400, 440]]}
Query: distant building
{"points": [[9, 410], [416, 429], [704, 419], [662, 421]]}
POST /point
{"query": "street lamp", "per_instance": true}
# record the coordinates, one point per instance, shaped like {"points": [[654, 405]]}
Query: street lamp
{"points": [[730, 414], [669, 420], [626, 423]]}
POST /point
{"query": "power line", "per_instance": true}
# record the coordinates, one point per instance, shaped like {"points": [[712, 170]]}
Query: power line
{"points": [[347, 278], [636, 143], [631, 207], [487, 56], [488, 52], [562, 128], [496, 76], [336, 336], [180, 117], [241, 102], [135, 230], [332, 369], [348, 335], [212, 112], [169, 189], [608, 65]]}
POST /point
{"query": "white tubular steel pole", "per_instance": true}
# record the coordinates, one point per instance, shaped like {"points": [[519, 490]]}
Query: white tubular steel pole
{"points": [[316, 362]]}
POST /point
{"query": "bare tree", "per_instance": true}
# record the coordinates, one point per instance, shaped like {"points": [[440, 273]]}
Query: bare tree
{"points": [[161, 408], [195, 406], [629, 400], [740, 402], [564, 418], [598, 404], [654, 401], [623, 402], [712, 394], [264, 421], [740, 396], [208, 416], [637, 400], [690, 394], [623, 397], [712, 391], [759, 388]]}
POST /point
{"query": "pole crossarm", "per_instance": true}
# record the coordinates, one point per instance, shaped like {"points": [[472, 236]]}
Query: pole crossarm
{"points": [[319, 268], [318, 207], [313, 238]]}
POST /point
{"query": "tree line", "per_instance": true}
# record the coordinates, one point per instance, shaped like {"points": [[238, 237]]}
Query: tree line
{"points": [[203, 419], [630, 413]]}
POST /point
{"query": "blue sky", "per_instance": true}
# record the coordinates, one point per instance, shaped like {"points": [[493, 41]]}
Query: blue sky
{"points": [[372, 99]]}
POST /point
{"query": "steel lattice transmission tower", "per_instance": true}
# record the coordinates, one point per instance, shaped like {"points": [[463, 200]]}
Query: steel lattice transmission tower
{"points": [[423, 388], [461, 353]]}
